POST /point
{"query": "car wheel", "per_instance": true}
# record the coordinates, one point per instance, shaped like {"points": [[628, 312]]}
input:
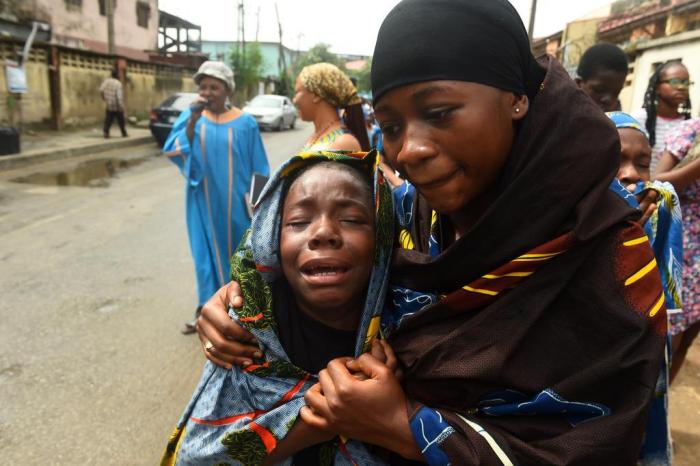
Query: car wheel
{"points": [[294, 122], [279, 125]]}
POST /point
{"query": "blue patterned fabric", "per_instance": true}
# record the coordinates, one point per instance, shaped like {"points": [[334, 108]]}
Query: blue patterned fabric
{"points": [[625, 120], [547, 402], [430, 429], [237, 416]]}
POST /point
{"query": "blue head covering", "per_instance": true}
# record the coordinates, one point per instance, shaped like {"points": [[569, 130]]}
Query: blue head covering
{"points": [[625, 120]]}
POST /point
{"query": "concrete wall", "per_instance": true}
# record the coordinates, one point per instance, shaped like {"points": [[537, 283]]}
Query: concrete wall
{"points": [[148, 85], [81, 74], [34, 106], [684, 46], [578, 37]]}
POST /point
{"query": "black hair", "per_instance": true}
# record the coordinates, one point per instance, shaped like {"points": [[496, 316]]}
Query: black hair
{"points": [[651, 99], [354, 119], [115, 73], [602, 56]]}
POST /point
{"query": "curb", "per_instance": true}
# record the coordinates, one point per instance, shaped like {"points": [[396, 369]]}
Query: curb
{"points": [[8, 162]]}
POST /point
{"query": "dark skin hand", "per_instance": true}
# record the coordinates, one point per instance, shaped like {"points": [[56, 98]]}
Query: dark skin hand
{"points": [[304, 435], [647, 204], [232, 343], [334, 403]]}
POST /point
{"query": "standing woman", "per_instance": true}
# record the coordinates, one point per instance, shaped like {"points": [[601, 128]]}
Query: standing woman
{"points": [[525, 307], [666, 106], [217, 148], [322, 91], [680, 165]]}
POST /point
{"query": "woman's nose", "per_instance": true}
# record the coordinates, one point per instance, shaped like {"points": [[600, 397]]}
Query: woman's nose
{"points": [[325, 234], [628, 174], [417, 147]]}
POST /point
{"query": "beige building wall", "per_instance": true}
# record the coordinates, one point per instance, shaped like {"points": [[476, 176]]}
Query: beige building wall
{"points": [[81, 74], [81, 77], [35, 105], [684, 46], [147, 85]]}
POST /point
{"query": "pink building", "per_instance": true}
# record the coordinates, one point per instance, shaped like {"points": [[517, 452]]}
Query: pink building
{"points": [[83, 24]]}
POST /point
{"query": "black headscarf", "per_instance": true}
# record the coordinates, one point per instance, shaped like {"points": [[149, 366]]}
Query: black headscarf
{"points": [[477, 41]]}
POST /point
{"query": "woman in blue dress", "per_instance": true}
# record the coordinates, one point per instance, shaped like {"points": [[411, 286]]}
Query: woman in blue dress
{"points": [[217, 148]]}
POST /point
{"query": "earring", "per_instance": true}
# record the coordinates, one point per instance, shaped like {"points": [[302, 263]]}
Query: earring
{"points": [[517, 109]]}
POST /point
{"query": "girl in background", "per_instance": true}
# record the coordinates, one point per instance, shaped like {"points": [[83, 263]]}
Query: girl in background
{"points": [[666, 106]]}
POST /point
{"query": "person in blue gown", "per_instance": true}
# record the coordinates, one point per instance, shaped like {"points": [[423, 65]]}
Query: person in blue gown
{"points": [[218, 149]]}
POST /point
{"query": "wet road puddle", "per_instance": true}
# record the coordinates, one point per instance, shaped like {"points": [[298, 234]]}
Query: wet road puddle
{"points": [[93, 173]]}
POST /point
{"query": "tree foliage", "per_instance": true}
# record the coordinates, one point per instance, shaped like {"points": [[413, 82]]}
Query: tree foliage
{"points": [[319, 53], [247, 64]]}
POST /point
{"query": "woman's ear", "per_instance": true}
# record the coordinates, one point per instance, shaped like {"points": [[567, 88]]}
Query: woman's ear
{"points": [[520, 106]]}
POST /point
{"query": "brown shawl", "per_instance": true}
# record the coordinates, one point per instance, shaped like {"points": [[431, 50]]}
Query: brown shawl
{"points": [[587, 324]]}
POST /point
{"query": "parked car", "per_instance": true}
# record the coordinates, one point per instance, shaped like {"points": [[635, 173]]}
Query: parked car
{"points": [[272, 111], [163, 116]]}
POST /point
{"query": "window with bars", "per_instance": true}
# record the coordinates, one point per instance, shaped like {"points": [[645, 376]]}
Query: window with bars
{"points": [[143, 13], [73, 5]]}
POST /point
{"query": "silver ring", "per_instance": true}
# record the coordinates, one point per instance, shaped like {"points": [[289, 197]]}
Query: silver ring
{"points": [[208, 346]]}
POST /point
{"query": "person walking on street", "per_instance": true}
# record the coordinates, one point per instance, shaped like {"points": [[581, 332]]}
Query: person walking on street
{"points": [[112, 93], [217, 148]]}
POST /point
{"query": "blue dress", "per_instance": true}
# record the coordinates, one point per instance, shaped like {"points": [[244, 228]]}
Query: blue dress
{"points": [[218, 166]]}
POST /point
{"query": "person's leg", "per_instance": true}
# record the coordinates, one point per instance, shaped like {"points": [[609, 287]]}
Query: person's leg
{"points": [[120, 120], [109, 118]]}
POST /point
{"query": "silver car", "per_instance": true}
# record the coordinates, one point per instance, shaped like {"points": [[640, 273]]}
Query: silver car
{"points": [[272, 111]]}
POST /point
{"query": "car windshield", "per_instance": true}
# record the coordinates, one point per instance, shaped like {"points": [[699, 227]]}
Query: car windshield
{"points": [[179, 101], [269, 102]]}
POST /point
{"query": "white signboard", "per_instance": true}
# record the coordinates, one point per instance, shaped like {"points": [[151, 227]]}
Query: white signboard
{"points": [[16, 78]]}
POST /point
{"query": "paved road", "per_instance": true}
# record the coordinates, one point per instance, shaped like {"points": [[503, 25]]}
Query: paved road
{"points": [[95, 283]]}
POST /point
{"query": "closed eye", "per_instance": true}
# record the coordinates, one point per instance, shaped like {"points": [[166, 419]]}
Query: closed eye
{"points": [[438, 115]]}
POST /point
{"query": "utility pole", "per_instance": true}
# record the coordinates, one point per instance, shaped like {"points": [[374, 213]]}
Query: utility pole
{"points": [[240, 37], [282, 62], [531, 26], [109, 10], [257, 24]]}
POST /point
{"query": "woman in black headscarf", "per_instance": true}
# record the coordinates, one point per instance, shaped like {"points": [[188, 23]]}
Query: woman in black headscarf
{"points": [[525, 309]]}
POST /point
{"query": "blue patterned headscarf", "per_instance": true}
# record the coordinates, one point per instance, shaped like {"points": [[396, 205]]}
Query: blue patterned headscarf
{"points": [[625, 120], [238, 416]]}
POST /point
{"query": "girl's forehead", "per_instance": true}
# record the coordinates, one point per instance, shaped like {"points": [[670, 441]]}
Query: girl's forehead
{"points": [[675, 69], [318, 180]]}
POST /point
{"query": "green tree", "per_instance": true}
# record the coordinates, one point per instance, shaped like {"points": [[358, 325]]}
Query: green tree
{"points": [[247, 64], [319, 53]]}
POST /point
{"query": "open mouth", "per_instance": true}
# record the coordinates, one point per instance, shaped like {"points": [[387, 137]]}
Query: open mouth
{"points": [[319, 273], [323, 271]]}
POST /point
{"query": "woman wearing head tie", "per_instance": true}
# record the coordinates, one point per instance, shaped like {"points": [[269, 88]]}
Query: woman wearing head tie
{"points": [[322, 93], [217, 148], [525, 306]]}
